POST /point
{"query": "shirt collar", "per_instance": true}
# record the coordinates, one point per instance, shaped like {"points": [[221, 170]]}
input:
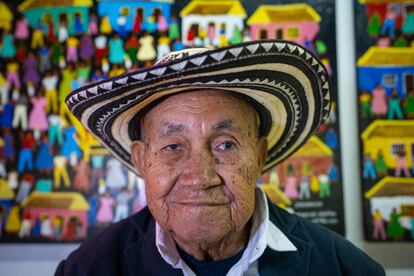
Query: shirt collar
{"points": [[263, 234]]}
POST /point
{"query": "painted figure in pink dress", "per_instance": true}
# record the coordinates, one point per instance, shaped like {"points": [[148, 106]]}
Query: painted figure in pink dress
{"points": [[105, 211], [379, 106], [291, 189], [38, 116]]}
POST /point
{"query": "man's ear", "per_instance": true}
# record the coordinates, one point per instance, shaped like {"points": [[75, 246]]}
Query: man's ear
{"points": [[261, 151], [137, 156]]}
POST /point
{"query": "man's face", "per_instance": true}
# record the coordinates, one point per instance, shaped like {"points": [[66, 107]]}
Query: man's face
{"points": [[200, 159]]}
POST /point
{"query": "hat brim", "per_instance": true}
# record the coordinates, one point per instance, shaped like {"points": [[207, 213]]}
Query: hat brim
{"points": [[286, 80]]}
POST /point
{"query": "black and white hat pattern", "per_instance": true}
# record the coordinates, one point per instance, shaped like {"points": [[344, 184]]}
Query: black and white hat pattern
{"points": [[288, 85]]}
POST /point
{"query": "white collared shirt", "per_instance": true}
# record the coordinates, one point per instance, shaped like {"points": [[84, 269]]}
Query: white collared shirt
{"points": [[263, 234]]}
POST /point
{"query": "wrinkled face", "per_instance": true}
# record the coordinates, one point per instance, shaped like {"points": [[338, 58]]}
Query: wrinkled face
{"points": [[200, 159]]}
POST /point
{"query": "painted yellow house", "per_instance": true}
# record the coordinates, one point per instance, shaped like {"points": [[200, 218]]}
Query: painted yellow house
{"points": [[393, 193], [314, 153], [298, 22], [216, 15], [276, 195], [6, 17], [388, 136]]}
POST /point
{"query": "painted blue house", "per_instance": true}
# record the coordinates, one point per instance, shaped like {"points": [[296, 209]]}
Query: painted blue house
{"points": [[391, 67], [69, 11], [133, 8]]}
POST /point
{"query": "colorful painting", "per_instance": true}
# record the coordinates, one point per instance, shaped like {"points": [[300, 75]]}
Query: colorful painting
{"points": [[385, 66], [57, 183]]}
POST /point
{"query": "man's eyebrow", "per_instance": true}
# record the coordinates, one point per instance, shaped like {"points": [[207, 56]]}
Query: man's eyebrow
{"points": [[170, 128], [226, 124]]}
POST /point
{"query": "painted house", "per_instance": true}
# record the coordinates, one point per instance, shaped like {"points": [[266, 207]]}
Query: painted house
{"points": [[132, 10], [297, 22], [379, 8], [6, 18], [391, 67], [70, 207], [393, 192], [67, 11], [214, 15], [314, 153], [389, 136]]}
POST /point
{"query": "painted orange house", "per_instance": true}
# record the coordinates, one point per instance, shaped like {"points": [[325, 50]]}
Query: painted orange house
{"points": [[297, 22], [70, 207]]}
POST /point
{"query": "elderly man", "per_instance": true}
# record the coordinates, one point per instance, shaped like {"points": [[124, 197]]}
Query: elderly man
{"points": [[200, 127]]}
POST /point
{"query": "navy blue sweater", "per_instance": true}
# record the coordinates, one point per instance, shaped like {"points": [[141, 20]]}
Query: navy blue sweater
{"points": [[128, 248]]}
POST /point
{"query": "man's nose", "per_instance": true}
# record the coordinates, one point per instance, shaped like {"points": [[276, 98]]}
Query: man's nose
{"points": [[200, 170]]}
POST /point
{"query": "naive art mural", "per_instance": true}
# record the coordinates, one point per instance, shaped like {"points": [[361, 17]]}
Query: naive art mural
{"points": [[385, 66], [58, 184]]}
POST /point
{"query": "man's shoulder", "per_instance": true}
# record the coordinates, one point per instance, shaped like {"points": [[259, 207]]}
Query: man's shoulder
{"points": [[108, 249], [328, 249]]}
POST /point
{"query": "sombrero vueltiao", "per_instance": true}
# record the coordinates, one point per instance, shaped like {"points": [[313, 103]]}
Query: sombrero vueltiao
{"points": [[288, 84]]}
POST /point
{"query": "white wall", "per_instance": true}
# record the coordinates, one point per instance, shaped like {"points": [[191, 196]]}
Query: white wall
{"points": [[397, 258]]}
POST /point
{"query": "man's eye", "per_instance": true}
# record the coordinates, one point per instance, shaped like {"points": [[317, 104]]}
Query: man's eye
{"points": [[226, 145], [172, 147]]}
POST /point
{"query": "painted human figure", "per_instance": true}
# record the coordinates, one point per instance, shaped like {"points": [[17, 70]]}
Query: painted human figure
{"points": [[46, 227], [60, 172], [304, 188], [333, 173], [55, 129], [86, 47], [57, 226], [378, 229], [291, 189], [81, 179], [402, 163], [379, 104], [25, 160], [394, 229], [6, 118], [369, 168], [12, 179], [394, 106], [25, 186], [162, 25], [121, 22], [63, 33], [44, 59], [9, 151], [115, 177], [163, 47], [381, 166], [68, 74], [137, 25], [21, 30], [37, 116], [131, 47], [324, 189], [72, 49], [4, 90], [331, 138], [20, 112], [389, 22], [93, 24], [26, 225], [70, 145], [122, 204], [37, 37], [116, 50], [105, 26], [78, 24], [12, 75], [44, 159], [146, 51], [409, 105], [105, 213], [7, 48], [31, 75], [50, 82], [93, 209], [374, 25], [173, 29], [101, 50], [97, 170], [365, 105], [408, 25], [178, 45]]}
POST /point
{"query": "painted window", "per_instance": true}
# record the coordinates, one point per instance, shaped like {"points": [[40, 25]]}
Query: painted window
{"points": [[408, 83], [396, 147], [279, 34], [389, 81], [293, 32], [124, 11], [263, 34]]}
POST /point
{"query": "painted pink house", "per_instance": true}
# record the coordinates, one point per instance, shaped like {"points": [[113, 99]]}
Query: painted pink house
{"points": [[297, 22], [69, 207]]}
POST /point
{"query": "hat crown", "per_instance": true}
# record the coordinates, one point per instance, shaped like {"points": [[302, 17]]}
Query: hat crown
{"points": [[177, 55]]}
